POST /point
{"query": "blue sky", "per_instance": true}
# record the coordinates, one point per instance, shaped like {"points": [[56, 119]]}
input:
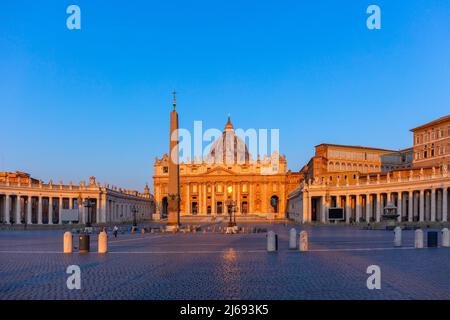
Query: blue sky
{"points": [[95, 101]]}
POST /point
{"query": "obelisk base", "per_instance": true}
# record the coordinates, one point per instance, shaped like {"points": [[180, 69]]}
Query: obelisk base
{"points": [[173, 219]]}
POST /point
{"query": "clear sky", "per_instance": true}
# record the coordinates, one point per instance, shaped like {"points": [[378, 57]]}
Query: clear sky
{"points": [[96, 101]]}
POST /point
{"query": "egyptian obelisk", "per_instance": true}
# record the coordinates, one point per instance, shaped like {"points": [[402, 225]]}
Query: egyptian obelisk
{"points": [[173, 220]]}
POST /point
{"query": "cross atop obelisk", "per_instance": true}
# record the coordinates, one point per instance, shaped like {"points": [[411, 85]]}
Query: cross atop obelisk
{"points": [[173, 219], [174, 101]]}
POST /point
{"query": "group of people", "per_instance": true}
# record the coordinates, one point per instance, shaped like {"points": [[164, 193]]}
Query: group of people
{"points": [[115, 230]]}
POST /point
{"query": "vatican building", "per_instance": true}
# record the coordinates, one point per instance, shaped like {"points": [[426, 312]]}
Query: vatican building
{"points": [[228, 180], [368, 183]]}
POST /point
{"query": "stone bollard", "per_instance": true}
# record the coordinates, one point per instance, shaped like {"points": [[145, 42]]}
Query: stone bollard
{"points": [[293, 239], [303, 241], [142, 231], [445, 238], [272, 240], [102, 242], [68, 242], [397, 237], [418, 239]]}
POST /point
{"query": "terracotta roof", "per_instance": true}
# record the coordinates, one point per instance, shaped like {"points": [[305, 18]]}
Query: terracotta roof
{"points": [[353, 147], [432, 123]]}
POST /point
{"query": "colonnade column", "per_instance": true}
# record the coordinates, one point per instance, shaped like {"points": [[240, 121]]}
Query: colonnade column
{"points": [[50, 210], [60, 210], [18, 220], [305, 207], [7, 209], [39, 209], [81, 211], [433, 205], [323, 208], [348, 208], [444, 205], [439, 204], [378, 203], [28, 219], [399, 206], [368, 207], [421, 206], [358, 207], [410, 206]]}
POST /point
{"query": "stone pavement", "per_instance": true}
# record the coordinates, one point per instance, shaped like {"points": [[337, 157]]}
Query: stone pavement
{"points": [[219, 266]]}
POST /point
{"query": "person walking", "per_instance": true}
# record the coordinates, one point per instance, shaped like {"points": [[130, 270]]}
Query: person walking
{"points": [[115, 231]]}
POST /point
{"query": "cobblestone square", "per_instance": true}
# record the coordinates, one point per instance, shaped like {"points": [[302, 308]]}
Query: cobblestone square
{"points": [[222, 266]]}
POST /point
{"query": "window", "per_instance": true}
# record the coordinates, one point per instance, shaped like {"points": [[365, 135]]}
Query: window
{"points": [[219, 188], [194, 188], [244, 188], [165, 169]]}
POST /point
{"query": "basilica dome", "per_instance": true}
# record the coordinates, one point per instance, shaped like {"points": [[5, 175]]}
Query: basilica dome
{"points": [[228, 148]]}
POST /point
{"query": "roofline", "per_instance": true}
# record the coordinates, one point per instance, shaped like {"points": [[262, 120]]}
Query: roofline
{"points": [[354, 147], [431, 123]]}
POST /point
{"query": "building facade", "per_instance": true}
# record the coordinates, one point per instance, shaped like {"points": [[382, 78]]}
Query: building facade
{"points": [[228, 179], [432, 143], [419, 195], [24, 199], [333, 158], [363, 181]]}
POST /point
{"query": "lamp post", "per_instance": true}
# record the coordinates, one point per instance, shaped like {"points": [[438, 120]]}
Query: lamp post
{"points": [[134, 210], [88, 203]]}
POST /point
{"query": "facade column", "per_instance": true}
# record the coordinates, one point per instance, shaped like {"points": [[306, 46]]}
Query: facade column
{"points": [[444, 205], [213, 199], [238, 197], [264, 202], [7, 209], [378, 203], [421, 206], [400, 206], [188, 199], [18, 219], [358, 201], [50, 210], [348, 208], [433, 205], [410, 206], [39, 199], [28, 219], [368, 207], [205, 205], [250, 198]]}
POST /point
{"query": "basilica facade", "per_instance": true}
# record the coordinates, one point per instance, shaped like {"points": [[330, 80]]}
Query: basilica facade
{"points": [[227, 180]]}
